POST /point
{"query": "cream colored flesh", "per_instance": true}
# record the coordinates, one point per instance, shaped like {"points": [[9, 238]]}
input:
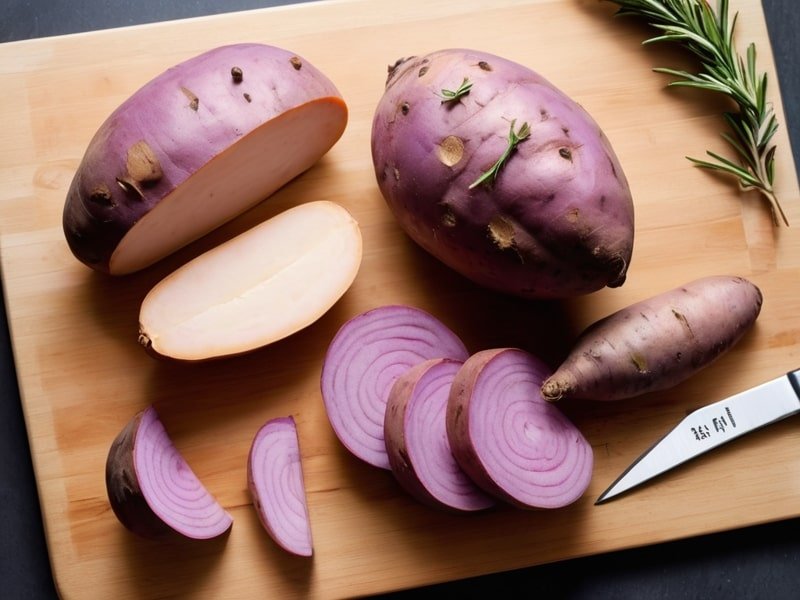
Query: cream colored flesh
{"points": [[248, 171], [257, 288]]}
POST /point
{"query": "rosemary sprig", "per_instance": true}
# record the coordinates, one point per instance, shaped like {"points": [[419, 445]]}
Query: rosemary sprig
{"points": [[462, 90], [514, 138], [708, 34]]}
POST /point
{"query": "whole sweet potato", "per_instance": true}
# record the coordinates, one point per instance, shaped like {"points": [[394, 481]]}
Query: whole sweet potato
{"points": [[196, 146], [658, 342], [501, 176]]}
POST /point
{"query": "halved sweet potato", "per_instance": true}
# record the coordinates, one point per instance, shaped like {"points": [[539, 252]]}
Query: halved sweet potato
{"points": [[196, 146]]}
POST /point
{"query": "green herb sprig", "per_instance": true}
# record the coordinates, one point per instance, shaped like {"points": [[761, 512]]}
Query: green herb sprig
{"points": [[514, 138], [462, 90], [708, 34]]}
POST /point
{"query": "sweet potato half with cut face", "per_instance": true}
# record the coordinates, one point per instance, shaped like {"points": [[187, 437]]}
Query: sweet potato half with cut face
{"points": [[196, 146]]}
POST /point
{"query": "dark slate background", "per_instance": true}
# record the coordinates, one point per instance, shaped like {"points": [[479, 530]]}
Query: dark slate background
{"points": [[754, 562]]}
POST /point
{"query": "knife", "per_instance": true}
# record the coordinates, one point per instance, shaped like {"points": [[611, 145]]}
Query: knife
{"points": [[711, 426]]}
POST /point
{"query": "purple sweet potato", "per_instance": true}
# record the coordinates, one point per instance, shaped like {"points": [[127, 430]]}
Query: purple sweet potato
{"points": [[501, 176], [657, 343], [508, 439], [153, 491], [275, 481], [416, 439], [196, 146], [363, 361]]}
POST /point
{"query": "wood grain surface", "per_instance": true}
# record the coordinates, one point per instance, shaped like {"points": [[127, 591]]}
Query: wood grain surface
{"points": [[82, 375]]}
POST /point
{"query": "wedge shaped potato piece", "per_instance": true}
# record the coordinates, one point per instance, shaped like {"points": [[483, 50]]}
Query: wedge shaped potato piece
{"points": [[256, 288]]}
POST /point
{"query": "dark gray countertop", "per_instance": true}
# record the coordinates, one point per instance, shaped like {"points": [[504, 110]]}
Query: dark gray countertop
{"points": [[755, 562]]}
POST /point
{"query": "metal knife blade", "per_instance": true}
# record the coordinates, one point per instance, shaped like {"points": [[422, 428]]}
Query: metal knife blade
{"points": [[711, 426]]}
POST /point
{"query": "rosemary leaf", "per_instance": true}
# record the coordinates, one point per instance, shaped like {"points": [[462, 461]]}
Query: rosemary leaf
{"points": [[708, 34], [462, 90], [514, 138]]}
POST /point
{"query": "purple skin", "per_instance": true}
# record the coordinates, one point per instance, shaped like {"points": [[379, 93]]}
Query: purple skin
{"points": [[657, 343], [171, 127], [558, 219], [124, 494]]}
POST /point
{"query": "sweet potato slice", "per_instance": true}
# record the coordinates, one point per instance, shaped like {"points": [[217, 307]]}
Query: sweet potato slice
{"points": [[508, 439], [275, 480]]}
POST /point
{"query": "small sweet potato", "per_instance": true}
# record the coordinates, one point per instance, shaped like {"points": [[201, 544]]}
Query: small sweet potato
{"points": [[657, 343]]}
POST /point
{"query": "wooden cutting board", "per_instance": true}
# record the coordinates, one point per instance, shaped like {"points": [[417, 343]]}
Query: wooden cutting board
{"points": [[82, 375]]}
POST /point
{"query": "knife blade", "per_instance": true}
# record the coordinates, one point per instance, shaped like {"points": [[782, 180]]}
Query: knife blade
{"points": [[711, 426]]}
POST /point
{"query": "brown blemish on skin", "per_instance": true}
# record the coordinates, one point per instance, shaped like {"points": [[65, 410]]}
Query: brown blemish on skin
{"points": [[683, 321], [448, 217], [565, 153], [485, 65], [451, 150], [296, 63], [423, 70], [392, 69], [101, 195], [247, 97], [144, 339], [639, 362], [404, 108], [573, 215], [142, 163], [194, 101], [501, 230], [142, 169], [404, 458], [613, 167]]}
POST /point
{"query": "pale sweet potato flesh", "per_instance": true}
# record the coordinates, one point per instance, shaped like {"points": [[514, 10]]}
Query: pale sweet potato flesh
{"points": [[257, 288], [231, 182]]}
